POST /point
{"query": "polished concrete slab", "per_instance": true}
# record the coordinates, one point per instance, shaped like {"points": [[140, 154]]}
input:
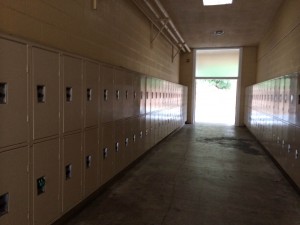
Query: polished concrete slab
{"points": [[201, 175]]}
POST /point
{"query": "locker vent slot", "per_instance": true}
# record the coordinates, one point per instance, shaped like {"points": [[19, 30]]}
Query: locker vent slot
{"points": [[88, 161], [4, 204], [3, 93], [105, 153], [69, 94], [41, 185], [68, 171], [89, 94], [41, 93]]}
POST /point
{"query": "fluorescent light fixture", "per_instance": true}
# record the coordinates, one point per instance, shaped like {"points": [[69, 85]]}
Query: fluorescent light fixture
{"points": [[217, 2]]}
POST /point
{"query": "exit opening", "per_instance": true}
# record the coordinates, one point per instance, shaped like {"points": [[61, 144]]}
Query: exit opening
{"points": [[216, 85]]}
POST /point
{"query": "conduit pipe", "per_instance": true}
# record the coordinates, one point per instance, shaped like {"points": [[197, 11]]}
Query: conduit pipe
{"points": [[166, 15]]}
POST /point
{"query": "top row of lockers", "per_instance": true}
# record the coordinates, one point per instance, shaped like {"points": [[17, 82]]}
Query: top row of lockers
{"points": [[46, 93], [278, 97]]}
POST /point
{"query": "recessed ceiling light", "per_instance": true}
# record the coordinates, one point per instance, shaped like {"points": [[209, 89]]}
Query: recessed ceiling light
{"points": [[217, 2]]}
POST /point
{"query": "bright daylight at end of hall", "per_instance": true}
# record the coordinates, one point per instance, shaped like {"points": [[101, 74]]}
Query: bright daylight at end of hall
{"points": [[216, 85]]}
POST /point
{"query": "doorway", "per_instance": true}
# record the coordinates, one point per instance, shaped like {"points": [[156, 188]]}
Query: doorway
{"points": [[216, 85]]}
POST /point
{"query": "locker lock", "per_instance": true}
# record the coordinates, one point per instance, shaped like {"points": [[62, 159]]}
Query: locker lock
{"points": [[68, 171], [118, 94], [69, 94], [41, 185], [89, 94], [3, 93], [289, 148], [105, 153], [88, 161], [105, 95], [41, 93], [134, 138], [117, 146], [126, 141], [296, 154], [4, 199]]}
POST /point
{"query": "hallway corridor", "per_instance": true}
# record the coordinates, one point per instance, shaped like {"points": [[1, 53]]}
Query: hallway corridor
{"points": [[201, 175]]}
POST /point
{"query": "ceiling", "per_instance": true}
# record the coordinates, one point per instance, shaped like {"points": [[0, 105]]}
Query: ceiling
{"points": [[245, 22]]}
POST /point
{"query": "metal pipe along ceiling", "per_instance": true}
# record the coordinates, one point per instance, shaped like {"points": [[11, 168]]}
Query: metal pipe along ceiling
{"points": [[170, 29]]}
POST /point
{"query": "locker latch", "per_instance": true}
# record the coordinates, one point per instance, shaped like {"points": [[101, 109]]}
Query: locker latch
{"points": [[68, 171], [4, 199], [296, 154], [3, 93], [105, 153], [69, 94], [126, 142], [105, 95], [89, 94], [118, 94], [88, 161], [41, 93], [146, 133], [126, 94], [117, 146], [41, 185], [134, 138], [141, 95], [134, 94], [289, 148], [141, 134]]}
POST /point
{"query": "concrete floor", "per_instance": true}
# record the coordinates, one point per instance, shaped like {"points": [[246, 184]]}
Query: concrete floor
{"points": [[201, 175]]}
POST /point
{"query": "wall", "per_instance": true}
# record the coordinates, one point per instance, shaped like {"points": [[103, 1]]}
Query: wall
{"points": [[279, 50], [115, 33]]}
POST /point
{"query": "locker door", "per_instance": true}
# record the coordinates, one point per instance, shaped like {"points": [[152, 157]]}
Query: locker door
{"points": [[72, 94], [136, 92], [13, 93], [107, 152], [142, 95], [91, 161], [45, 72], [128, 140], [90, 94], [148, 132], [119, 95], [72, 171], [46, 182], [148, 94], [290, 150], [296, 158], [119, 145], [135, 137], [128, 105], [14, 190], [106, 93], [146, 135]]}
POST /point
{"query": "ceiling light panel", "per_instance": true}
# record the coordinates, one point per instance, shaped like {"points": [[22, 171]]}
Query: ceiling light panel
{"points": [[217, 2]]}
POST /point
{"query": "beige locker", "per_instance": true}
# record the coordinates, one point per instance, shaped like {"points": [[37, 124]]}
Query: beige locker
{"points": [[148, 132], [106, 93], [128, 140], [119, 95], [45, 90], [135, 140], [148, 92], [91, 161], [46, 182], [143, 139], [128, 99], [14, 192], [13, 93], [72, 93], [142, 95], [119, 145], [136, 94], [71, 171], [91, 94], [107, 152]]}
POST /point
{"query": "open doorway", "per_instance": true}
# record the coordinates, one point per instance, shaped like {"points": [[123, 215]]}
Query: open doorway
{"points": [[216, 85]]}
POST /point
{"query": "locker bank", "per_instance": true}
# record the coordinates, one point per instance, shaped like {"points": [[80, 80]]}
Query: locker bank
{"points": [[89, 89]]}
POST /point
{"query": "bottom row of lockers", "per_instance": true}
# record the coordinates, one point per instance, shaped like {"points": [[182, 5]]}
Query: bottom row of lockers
{"points": [[63, 171], [280, 138]]}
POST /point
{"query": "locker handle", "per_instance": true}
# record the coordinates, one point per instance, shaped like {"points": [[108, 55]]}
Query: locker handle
{"points": [[89, 92], [292, 99], [41, 185], [134, 138], [117, 146], [141, 134], [69, 94], [41, 93], [105, 94], [299, 99], [88, 161], [105, 153], [118, 94], [289, 148], [3, 93], [68, 172], [134, 94], [141, 95], [147, 95], [126, 142], [126, 94], [296, 154], [4, 204]]}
